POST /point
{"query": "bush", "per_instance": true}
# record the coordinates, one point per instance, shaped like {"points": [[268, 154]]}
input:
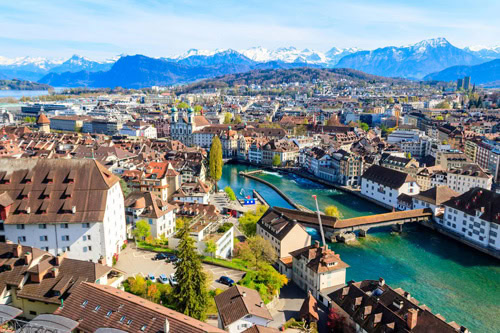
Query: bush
{"points": [[266, 280], [248, 221], [230, 193], [225, 227]]}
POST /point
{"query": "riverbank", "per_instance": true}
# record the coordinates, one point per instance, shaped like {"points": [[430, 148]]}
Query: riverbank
{"points": [[458, 282]]}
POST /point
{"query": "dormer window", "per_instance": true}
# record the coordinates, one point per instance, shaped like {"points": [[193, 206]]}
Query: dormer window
{"points": [[50, 176], [84, 303], [109, 314], [97, 308]]}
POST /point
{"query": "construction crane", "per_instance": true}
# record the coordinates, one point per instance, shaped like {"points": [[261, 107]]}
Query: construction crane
{"points": [[319, 221]]}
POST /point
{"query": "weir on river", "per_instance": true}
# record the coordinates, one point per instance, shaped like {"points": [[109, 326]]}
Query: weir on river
{"points": [[452, 279]]}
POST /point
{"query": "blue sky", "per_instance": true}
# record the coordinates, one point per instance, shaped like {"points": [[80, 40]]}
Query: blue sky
{"points": [[105, 28]]}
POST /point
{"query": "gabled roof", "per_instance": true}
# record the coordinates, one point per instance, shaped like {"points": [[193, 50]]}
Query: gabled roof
{"points": [[437, 195], [387, 177], [237, 302], [320, 259], [139, 314]]}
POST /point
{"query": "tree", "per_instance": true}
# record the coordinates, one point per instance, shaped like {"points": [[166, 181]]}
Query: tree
{"points": [[137, 285], [364, 126], [408, 155], [180, 221], [439, 118], [256, 250], [125, 188], [248, 221], [211, 247], [335, 322], [198, 109], [215, 160], [300, 130], [390, 100], [142, 230], [333, 211], [237, 119], [230, 193], [152, 293], [333, 121], [190, 293], [227, 118], [266, 280], [276, 160], [182, 105], [443, 105]]}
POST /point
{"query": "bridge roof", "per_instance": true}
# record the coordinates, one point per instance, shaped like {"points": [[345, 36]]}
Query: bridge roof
{"points": [[381, 218]]}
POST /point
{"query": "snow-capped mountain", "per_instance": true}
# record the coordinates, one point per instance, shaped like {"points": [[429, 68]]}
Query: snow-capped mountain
{"points": [[77, 63], [411, 61], [285, 54], [487, 53]]}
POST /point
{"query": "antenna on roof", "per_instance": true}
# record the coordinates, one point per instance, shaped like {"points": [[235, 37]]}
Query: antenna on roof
{"points": [[319, 220]]}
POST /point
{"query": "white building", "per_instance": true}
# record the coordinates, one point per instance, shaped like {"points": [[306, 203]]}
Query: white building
{"points": [[73, 206], [468, 176], [139, 129], [183, 127], [240, 308], [474, 216], [319, 270], [149, 207], [386, 185]]}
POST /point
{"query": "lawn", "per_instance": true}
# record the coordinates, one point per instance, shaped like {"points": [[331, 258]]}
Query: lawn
{"points": [[234, 263], [154, 248]]}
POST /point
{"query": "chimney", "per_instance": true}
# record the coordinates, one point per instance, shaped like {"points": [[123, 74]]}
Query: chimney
{"points": [[18, 250], [166, 327], [316, 244], [28, 256], [463, 329], [59, 258], [261, 304], [411, 318], [244, 294], [55, 271], [407, 295], [102, 261], [381, 282]]}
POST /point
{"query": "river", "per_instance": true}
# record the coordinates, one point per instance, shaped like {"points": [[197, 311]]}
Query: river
{"points": [[452, 279], [17, 94]]}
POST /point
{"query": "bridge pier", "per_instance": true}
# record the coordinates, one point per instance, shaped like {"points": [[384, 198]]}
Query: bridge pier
{"points": [[397, 227], [363, 232]]}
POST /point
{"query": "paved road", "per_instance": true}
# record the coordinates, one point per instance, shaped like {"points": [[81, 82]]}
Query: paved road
{"points": [[134, 261]]}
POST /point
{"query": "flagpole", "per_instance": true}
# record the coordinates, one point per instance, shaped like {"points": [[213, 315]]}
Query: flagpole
{"points": [[319, 220]]}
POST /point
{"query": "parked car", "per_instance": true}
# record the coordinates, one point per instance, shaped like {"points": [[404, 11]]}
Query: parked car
{"points": [[159, 256], [171, 258], [173, 280], [151, 277], [226, 280], [163, 279]]}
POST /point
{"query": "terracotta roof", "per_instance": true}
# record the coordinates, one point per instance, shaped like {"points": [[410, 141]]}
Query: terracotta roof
{"points": [[309, 308], [260, 329], [127, 312], [276, 223], [51, 180], [362, 220], [437, 195], [42, 119], [319, 258], [237, 302]]}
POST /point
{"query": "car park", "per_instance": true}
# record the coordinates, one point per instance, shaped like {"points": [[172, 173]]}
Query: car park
{"points": [[163, 279], [226, 280], [173, 280], [159, 256], [171, 258]]}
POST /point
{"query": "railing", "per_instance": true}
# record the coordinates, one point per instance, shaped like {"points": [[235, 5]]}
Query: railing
{"points": [[18, 325]]}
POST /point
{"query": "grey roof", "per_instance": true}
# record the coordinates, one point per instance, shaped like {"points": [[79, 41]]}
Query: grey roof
{"points": [[48, 321], [8, 313]]}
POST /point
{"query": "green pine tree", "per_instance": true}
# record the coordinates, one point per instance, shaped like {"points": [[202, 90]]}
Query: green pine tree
{"points": [[215, 159], [190, 293]]}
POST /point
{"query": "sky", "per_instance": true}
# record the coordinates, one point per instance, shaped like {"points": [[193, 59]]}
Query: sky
{"points": [[101, 29]]}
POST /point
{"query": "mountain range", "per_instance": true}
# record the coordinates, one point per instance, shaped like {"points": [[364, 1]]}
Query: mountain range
{"points": [[485, 73], [413, 61]]}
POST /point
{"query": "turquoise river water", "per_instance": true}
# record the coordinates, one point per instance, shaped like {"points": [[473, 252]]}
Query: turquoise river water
{"points": [[452, 279]]}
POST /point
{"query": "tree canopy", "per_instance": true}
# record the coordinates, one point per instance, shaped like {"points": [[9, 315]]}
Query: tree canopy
{"points": [[142, 230], [333, 211], [215, 159], [276, 160], [249, 219], [227, 118], [443, 105], [230, 193], [256, 250], [190, 293]]}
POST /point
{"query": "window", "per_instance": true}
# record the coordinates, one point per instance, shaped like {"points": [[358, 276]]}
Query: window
{"points": [[21, 239], [65, 238], [88, 237], [66, 249], [33, 313], [143, 328], [86, 225], [45, 248], [20, 226], [43, 238], [109, 313], [84, 249], [122, 319], [84, 303], [97, 308], [42, 226], [129, 322], [90, 248], [64, 226], [84, 237]]}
